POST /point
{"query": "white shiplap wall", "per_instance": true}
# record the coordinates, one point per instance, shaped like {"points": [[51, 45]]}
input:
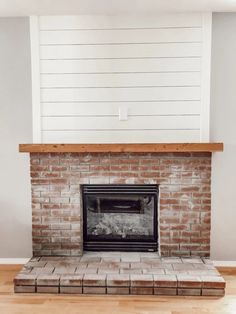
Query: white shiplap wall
{"points": [[86, 69]]}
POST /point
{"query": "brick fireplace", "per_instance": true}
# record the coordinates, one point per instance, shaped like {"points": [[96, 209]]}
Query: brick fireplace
{"points": [[184, 208], [64, 178]]}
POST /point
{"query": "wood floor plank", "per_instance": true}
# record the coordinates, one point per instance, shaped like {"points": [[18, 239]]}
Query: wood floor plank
{"points": [[11, 303]]}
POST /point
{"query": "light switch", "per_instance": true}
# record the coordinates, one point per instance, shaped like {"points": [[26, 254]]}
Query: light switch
{"points": [[123, 113]]}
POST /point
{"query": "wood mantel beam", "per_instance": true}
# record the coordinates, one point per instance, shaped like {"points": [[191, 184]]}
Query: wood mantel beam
{"points": [[121, 148]]}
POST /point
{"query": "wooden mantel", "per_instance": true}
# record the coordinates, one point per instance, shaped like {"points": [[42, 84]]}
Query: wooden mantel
{"points": [[120, 148]]}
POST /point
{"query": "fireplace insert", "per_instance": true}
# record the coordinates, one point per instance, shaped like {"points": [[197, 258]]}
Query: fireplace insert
{"points": [[120, 217]]}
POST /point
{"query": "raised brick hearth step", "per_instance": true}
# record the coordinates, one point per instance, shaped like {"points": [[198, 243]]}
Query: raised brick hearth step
{"points": [[120, 273]]}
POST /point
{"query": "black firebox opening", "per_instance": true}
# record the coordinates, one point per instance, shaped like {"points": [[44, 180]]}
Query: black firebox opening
{"points": [[120, 217]]}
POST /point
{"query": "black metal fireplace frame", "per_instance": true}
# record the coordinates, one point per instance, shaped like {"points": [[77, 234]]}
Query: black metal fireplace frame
{"points": [[126, 244]]}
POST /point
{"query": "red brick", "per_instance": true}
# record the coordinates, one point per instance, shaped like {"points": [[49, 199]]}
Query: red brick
{"points": [[213, 282], [179, 227], [165, 291], [94, 280], [187, 281], [71, 290], [70, 246], [120, 168], [118, 290], [58, 168], [190, 188], [171, 246], [169, 220], [189, 292], [58, 181], [169, 201], [150, 174], [205, 240], [213, 292], [141, 290], [48, 280], [141, 280], [179, 240], [121, 280], [94, 290], [47, 289], [25, 280], [24, 289], [127, 161], [165, 281]]}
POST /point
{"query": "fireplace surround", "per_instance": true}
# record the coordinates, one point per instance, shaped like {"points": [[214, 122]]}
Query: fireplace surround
{"points": [[181, 171], [184, 197]]}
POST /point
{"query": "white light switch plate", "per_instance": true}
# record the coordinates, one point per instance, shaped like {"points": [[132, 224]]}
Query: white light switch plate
{"points": [[123, 113]]}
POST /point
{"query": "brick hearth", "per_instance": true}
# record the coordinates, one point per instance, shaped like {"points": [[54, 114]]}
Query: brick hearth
{"points": [[120, 273], [184, 180]]}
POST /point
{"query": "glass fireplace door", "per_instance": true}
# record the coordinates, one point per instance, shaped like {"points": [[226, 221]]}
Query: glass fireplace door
{"points": [[120, 217]]}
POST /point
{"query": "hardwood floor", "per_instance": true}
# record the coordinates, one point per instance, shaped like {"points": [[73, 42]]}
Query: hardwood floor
{"points": [[11, 303]]}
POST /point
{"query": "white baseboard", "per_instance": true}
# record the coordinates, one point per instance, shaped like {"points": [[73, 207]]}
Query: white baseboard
{"points": [[224, 263], [12, 261]]}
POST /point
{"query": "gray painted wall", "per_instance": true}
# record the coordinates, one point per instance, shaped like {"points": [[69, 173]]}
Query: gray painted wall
{"points": [[223, 128], [15, 128]]}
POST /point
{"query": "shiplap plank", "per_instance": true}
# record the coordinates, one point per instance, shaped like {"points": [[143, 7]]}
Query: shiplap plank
{"points": [[120, 94], [124, 21], [121, 51], [114, 36], [123, 136], [118, 80], [109, 123], [121, 65], [112, 108]]}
